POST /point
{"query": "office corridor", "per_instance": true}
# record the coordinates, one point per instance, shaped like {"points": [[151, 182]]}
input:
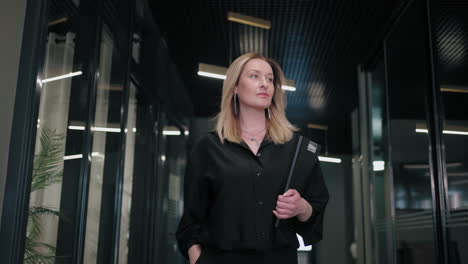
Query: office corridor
{"points": [[103, 102]]}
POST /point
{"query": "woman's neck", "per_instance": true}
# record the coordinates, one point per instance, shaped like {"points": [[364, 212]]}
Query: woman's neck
{"points": [[252, 120]]}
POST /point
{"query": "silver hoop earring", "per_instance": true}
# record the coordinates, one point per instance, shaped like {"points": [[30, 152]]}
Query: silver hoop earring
{"points": [[267, 113], [235, 105]]}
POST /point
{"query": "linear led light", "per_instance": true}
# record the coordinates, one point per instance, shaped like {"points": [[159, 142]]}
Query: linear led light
{"points": [[71, 74], [420, 130], [321, 127], [454, 89], [171, 133], [289, 85], [101, 129], [212, 75], [76, 127], [449, 129], [212, 71], [288, 88], [328, 159], [70, 157], [455, 132], [106, 129], [58, 21], [79, 156], [218, 72], [414, 166], [378, 165], [248, 20], [450, 132]]}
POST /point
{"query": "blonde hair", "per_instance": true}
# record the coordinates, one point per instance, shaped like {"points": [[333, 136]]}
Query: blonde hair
{"points": [[279, 129]]}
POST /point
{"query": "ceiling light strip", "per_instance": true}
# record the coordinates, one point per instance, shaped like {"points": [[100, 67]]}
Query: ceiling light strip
{"points": [[454, 89], [329, 159], [449, 132], [321, 127], [248, 20], [58, 21], [171, 133], [212, 75], [71, 74], [70, 157]]}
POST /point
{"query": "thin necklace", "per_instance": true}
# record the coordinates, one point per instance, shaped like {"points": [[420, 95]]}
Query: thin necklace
{"points": [[254, 138]]}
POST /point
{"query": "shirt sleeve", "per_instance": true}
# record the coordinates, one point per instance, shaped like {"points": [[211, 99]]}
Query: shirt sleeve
{"points": [[316, 193], [189, 230]]}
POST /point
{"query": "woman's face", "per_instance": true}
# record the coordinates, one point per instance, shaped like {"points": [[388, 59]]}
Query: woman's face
{"points": [[255, 87]]}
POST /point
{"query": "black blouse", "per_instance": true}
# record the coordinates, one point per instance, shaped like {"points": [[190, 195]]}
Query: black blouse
{"points": [[230, 194]]}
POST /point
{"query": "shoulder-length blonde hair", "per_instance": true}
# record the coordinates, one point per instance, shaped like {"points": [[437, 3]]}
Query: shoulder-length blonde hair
{"points": [[279, 129]]}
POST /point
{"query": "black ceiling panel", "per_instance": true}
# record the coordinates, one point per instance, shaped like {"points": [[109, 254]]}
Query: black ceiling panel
{"points": [[318, 44]]}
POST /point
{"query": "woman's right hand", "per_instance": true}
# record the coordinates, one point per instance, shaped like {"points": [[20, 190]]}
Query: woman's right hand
{"points": [[194, 253]]}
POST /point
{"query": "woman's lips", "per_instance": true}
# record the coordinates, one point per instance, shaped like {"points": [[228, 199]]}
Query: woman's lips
{"points": [[262, 94]]}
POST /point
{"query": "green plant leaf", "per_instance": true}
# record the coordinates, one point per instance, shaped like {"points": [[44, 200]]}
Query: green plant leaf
{"points": [[46, 171], [47, 162]]}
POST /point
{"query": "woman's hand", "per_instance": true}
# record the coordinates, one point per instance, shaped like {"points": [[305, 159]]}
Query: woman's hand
{"points": [[291, 204], [194, 253]]}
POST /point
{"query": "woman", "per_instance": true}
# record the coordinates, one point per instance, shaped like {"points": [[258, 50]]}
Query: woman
{"points": [[236, 177]]}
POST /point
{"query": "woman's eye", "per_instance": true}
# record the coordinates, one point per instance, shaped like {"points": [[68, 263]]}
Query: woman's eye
{"points": [[253, 76]]}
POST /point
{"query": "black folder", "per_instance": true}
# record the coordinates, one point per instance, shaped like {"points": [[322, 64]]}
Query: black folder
{"points": [[311, 148]]}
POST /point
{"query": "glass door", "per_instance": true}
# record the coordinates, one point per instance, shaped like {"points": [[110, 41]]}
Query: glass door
{"points": [[379, 160], [451, 29], [408, 80]]}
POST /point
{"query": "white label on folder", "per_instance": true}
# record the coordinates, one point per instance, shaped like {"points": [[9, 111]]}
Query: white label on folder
{"points": [[312, 147]]}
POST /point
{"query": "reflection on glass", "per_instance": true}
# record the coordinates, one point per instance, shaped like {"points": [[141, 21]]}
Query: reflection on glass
{"points": [[453, 65], [46, 209], [130, 149], [383, 231], [106, 139], [172, 160], [408, 82]]}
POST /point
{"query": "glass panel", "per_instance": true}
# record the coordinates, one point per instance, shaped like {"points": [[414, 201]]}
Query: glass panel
{"points": [[408, 81], [57, 148], [105, 154], [173, 148], [379, 157], [131, 134], [452, 47]]}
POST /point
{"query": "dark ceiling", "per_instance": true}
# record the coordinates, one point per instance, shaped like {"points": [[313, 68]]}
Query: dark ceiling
{"points": [[318, 44]]}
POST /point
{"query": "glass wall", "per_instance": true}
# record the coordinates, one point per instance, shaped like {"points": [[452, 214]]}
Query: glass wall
{"points": [[173, 142], [58, 149], [451, 34], [382, 181], [108, 168], [132, 134], [105, 151], [408, 80], [403, 107]]}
